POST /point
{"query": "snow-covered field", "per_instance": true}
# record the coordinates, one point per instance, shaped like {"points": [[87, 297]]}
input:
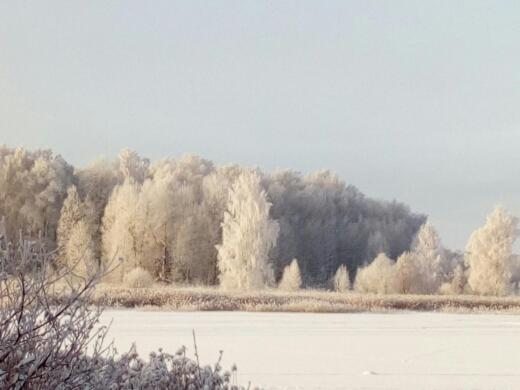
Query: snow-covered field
{"points": [[339, 351]]}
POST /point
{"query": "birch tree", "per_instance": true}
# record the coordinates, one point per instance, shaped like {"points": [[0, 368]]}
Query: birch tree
{"points": [[430, 258], [489, 254], [248, 234]]}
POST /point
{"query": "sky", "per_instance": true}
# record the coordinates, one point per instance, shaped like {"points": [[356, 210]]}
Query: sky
{"points": [[407, 100]]}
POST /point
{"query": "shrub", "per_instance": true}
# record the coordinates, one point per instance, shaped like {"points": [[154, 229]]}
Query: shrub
{"points": [[378, 277], [162, 371], [138, 278], [43, 341], [457, 284], [341, 281], [45, 333], [291, 278]]}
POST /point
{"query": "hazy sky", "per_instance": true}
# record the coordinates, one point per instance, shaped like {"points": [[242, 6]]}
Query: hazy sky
{"points": [[417, 101]]}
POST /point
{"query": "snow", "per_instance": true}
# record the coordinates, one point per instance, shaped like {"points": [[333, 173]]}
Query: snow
{"points": [[338, 351]]}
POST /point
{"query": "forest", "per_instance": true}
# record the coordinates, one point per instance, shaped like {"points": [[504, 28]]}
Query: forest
{"points": [[188, 221]]}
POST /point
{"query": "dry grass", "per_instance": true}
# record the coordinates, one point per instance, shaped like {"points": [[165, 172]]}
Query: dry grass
{"points": [[314, 301]]}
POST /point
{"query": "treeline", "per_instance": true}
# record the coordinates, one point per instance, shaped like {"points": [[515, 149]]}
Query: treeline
{"points": [[487, 267], [188, 220]]}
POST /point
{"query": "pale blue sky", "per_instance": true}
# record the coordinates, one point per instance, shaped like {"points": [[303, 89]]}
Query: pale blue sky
{"points": [[413, 100]]}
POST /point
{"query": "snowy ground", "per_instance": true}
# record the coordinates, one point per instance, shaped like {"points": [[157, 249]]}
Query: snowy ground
{"points": [[339, 351]]}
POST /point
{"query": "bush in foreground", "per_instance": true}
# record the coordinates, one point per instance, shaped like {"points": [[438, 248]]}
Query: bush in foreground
{"points": [[162, 371], [44, 340]]}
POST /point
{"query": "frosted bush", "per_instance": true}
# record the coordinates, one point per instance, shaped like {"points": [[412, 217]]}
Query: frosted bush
{"points": [[138, 278], [378, 277], [162, 371], [341, 281], [291, 278], [457, 284], [45, 334], [43, 339]]}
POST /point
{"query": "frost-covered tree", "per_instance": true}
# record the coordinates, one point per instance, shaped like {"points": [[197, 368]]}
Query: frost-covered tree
{"points": [[176, 229], [76, 235], [138, 227], [291, 278], [323, 191], [80, 250], [167, 217], [341, 281], [378, 277], [408, 274], [248, 234], [457, 284], [123, 231], [215, 193], [424, 268], [325, 223], [95, 183], [155, 209], [132, 166], [376, 243], [72, 212], [188, 266], [430, 258], [196, 227], [489, 254], [284, 190], [33, 185], [184, 218]]}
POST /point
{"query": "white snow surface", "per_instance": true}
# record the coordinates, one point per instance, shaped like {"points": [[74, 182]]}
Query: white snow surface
{"points": [[338, 351]]}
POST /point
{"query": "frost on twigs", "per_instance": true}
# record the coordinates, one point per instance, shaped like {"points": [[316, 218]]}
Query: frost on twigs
{"points": [[47, 327], [43, 338]]}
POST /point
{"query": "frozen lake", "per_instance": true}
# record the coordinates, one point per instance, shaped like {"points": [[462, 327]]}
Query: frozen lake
{"points": [[339, 351]]}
